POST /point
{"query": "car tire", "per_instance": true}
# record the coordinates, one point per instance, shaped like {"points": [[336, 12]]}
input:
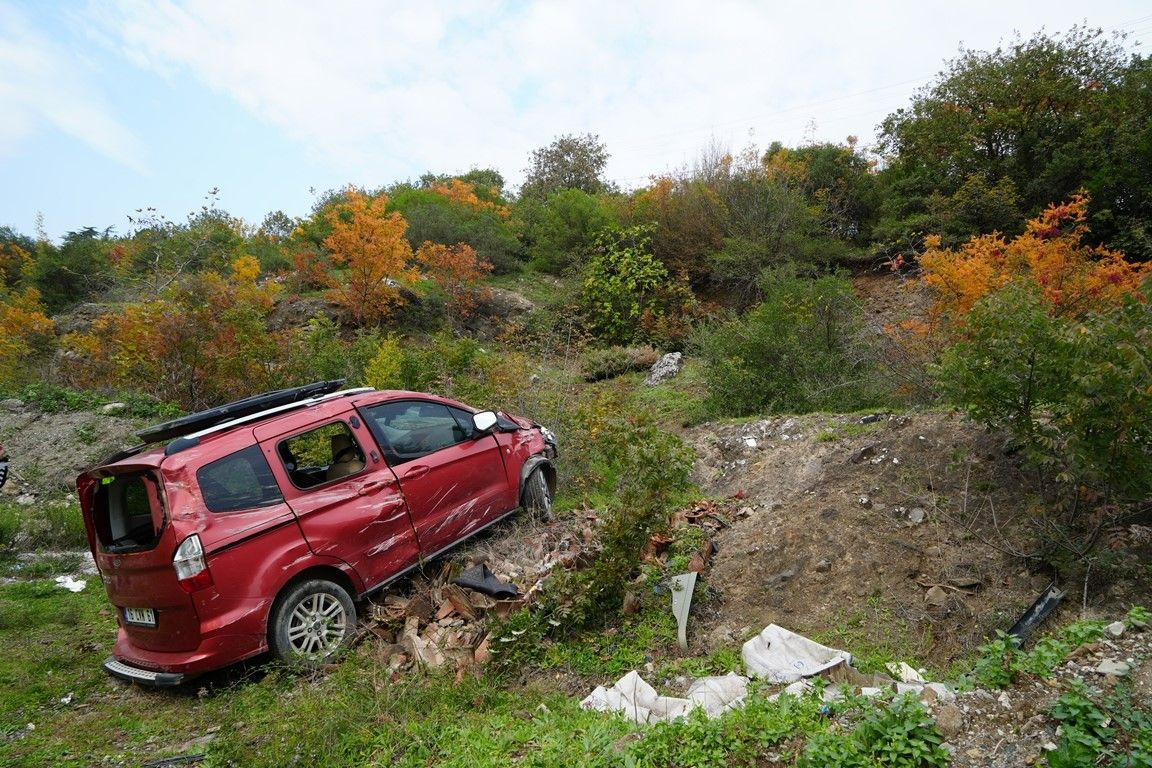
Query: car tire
{"points": [[311, 623], [538, 494]]}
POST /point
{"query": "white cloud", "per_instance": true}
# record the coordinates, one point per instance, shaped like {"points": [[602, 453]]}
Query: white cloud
{"points": [[42, 83], [386, 90]]}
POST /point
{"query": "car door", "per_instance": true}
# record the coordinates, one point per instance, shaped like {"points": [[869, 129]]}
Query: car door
{"points": [[453, 478], [347, 500]]}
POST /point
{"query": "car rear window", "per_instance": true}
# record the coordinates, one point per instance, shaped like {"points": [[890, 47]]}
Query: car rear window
{"points": [[240, 480]]}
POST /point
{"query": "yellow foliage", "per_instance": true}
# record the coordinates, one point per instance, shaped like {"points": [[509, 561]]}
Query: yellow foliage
{"points": [[464, 193], [370, 243], [1073, 277], [24, 328], [383, 370]]}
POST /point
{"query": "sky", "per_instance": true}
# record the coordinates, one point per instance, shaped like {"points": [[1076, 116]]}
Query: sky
{"points": [[112, 106]]}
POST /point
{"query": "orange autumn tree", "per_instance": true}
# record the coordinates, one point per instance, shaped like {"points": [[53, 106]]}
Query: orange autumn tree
{"points": [[460, 191], [1072, 277], [458, 270], [369, 243]]}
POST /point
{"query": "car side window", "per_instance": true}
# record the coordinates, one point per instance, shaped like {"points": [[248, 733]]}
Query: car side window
{"points": [[326, 453], [410, 429], [240, 480]]}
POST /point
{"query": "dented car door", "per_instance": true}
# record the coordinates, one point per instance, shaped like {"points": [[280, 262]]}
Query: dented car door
{"points": [[452, 476], [347, 500]]}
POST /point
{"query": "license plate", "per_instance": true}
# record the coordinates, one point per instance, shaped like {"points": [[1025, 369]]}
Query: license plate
{"points": [[144, 617]]}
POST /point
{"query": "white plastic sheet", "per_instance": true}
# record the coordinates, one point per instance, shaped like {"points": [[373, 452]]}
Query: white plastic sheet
{"points": [[639, 701], [781, 656]]}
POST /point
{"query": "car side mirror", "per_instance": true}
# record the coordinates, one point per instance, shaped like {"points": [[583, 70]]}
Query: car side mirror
{"points": [[485, 421]]}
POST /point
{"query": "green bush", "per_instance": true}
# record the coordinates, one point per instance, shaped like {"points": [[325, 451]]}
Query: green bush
{"points": [[629, 295], [1072, 390], [804, 348]]}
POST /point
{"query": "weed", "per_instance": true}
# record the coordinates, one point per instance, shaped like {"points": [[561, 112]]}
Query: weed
{"points": [[900, 735], [1001, 659], [1103, 730]]}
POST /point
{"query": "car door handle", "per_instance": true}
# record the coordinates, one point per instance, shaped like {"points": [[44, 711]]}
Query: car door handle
{"points": [[372, 486], [417, 471]]}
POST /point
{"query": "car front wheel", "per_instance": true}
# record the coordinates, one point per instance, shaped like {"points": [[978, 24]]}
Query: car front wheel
{"points": [[538, 494], [311, 623]]}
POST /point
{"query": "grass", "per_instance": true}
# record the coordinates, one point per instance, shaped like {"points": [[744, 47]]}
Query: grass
{"points": [[44, 525]]}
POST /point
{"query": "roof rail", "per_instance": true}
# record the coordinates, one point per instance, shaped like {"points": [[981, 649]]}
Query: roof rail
{"points": [[187, 441]]}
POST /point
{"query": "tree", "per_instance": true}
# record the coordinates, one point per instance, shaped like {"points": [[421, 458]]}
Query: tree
{"points": [[369, 243], [451, 210], [25, 330], [1033, 111], [1073, 278], [628, 294], [562, 229], [16, 260], [202, 341], [457, 270], [77, 270], [569, 162]]}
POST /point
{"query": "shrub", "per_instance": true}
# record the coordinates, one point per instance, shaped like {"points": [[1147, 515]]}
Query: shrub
{"points": [[803, 349], [1073, 391], [610, 362], [629, 295]]}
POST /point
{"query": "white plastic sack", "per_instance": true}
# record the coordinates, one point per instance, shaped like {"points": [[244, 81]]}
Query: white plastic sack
{"points": [[639, 701], [71, 584], [718, 694], [781, 656]]}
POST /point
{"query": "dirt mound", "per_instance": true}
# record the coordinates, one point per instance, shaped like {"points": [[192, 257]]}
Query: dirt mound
{"points": [[49, 450], [853, 529]]}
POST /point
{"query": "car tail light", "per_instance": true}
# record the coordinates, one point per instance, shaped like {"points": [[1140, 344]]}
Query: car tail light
{"points": [[191, 567]]}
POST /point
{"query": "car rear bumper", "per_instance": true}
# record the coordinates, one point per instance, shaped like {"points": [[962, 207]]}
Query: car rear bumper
{"points": [[173, 667], [133, 674]]}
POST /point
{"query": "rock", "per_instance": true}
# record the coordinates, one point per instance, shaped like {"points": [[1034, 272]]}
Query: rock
{"points": [[950, 720], [26, 499], [936, 596], [12, 404], [916, 515], [1004, 700], [823, 566], [665, 368], [1115, 629], [1112, 667], [112, 409], [863, 454]]}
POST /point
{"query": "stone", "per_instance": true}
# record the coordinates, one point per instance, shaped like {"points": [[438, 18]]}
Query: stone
{"points": [[950, 720], [112, 409], [1112, 667], [863, 454], [916, 515], [936, 596], [665, 368], [1115, 629], [12, 404], [823, 566]]}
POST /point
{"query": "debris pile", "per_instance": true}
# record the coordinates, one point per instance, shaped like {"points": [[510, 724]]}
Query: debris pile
{"points": [[442, 619]]}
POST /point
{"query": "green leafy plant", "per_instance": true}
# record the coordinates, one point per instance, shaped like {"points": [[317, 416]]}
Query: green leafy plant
{"points": [[800, 350], [901, 735]]}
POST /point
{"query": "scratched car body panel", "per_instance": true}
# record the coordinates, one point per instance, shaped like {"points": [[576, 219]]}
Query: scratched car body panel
{"points": [[258, 532]]}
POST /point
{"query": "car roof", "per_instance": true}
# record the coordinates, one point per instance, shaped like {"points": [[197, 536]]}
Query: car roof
{"points": [[151, 457]]}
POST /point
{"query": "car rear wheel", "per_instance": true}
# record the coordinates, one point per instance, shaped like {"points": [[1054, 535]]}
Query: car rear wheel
{"points": [[311, 623], [538, 494]]}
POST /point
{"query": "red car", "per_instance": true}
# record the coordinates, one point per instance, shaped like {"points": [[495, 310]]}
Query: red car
{"points": [[256, 525]]}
